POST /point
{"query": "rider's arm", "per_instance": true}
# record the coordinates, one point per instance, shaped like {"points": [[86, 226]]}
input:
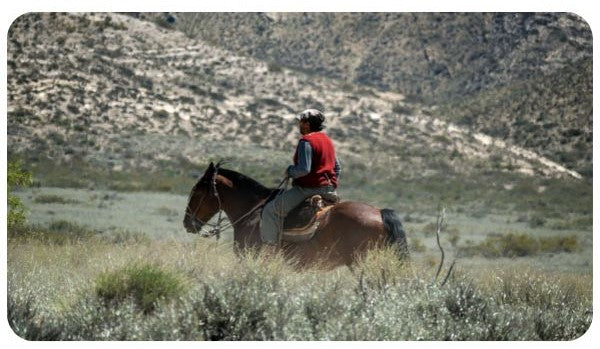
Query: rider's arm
{"points": [[304, 161], [337, 168]]}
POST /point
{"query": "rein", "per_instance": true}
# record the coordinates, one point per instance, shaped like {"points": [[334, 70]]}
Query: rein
{"points": [[219, 226]]}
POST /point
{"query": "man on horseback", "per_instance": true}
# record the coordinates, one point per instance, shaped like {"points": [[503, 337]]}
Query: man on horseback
{"points": [[315, 172]]}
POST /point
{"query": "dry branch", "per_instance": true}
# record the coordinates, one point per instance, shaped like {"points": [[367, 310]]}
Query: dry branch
{"points": [[439, 222]]}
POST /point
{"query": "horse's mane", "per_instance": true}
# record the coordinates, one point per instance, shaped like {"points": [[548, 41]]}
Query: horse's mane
{"points": [[245, 182]]}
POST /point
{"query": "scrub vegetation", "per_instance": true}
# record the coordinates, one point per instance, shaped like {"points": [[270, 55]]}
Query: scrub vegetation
{"points": [[95, 289]]}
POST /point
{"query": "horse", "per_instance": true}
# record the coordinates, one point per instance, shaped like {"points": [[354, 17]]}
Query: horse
{"points": [[344, 234]]}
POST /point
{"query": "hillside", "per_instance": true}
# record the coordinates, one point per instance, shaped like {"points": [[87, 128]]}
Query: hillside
{"points": [[539, 65], [79, 81], [551, 114], [426, 55], [111, 100]]}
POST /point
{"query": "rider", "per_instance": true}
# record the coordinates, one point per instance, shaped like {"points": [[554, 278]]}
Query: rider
{"points": [[315, 171]]}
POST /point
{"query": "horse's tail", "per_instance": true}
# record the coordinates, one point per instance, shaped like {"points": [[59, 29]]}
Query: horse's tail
{"points": [[395, 232]]}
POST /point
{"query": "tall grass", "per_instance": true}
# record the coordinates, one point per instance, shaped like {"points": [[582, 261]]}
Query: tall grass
{"points": [[53, 294]]}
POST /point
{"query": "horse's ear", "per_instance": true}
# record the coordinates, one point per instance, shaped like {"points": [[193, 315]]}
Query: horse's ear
{"points": [[210, 170]]}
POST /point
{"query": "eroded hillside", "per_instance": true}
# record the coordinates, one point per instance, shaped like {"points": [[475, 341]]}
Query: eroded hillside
{"points": [[125, 93], [522, 77]]}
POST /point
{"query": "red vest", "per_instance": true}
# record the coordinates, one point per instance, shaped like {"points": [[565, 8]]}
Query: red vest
{"points": [[323, 162]]}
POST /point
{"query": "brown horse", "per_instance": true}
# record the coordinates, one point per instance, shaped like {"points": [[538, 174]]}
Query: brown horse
{"points": [[345, 232]]}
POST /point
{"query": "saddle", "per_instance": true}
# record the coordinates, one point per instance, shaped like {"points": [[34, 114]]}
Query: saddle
{"points": [[301, 223]]}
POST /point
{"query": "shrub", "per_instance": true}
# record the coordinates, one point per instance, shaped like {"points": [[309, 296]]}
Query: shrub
{"points": [[402, 109], [146, 284], [581, 223], [520, 245], [259, 298], [429, 229], [16, 177], [509, 245], [146, 82], [57, 233], [73, 109], [537, 221], [515, 245], [416, 245], [166, 21], [274, 67], [53, 199], [453, 236], [559, 244], [23, 316], [160, 114], [123, 237], [166, 211]]}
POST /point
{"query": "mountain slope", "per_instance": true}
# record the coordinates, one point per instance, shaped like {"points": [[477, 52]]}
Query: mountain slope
{"points": [[102, 88], [427, 54], [524, 77], [551, 114]]}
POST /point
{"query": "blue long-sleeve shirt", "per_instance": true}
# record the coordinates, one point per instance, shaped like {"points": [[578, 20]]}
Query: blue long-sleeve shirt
{"points": [[305, 162]]}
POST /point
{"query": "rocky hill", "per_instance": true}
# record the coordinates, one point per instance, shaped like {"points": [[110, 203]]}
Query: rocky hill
{"points": [[549, 114], [123, 93], [426, 55], [523, 77]]}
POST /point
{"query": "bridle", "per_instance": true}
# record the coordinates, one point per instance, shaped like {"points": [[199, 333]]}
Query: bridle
{"points": [[216, 228], [219, 226]]}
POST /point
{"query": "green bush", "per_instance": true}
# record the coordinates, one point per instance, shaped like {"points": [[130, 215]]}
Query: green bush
{"points": [[160, 114], [581, 223], [514, 245], [16, 177], [520, 245], [510, 245], [537, 221], [57, 233], [559, 244], [402, 109], [53, 199], [146, 284], [66, 227], [274, 67]]}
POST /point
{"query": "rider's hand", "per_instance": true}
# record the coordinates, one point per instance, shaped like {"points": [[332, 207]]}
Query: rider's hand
{"points": [[286, 175]]}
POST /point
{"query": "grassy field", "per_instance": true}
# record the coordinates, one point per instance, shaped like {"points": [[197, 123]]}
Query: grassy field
{"points": [[103, 264], [96, 288], [107, 258], [560, 204], [158, 215]]}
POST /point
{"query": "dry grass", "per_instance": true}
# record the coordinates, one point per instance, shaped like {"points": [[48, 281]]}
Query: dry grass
{"points": [[52, 295]]}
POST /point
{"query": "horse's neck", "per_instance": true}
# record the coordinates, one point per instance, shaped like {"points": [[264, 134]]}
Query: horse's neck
{"points": [[244, 211], [238, 205]]}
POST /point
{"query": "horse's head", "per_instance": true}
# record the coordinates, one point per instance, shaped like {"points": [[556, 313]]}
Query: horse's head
{"points": [[203, 202]]}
